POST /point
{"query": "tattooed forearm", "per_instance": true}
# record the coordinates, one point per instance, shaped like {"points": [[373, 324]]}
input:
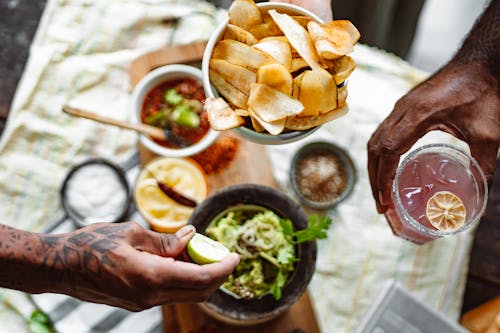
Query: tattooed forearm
{"points": [[17, 253], [39, 263]]}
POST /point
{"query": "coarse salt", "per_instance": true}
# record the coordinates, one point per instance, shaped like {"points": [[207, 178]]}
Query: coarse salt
{"points": [[96, 193], [320, 176]]}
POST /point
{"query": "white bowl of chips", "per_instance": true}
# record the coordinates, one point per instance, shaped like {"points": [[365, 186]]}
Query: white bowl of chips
{"points": [[275, 72]]}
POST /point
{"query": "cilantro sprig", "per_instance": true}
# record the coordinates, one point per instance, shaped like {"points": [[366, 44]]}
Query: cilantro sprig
{"points": [[317, 228]]}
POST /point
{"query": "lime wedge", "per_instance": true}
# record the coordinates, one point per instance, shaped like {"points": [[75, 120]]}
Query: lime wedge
{"points": [[204, 250]]}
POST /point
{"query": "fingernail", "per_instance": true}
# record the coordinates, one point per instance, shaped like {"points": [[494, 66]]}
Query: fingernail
{"points": [[381, 204], [381, 198], [184, 231], [236, 257]]}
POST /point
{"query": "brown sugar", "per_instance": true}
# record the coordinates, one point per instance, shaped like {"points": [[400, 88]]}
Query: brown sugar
{"points": [[320, 176]]}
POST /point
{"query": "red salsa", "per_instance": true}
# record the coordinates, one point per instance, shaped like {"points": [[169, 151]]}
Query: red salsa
{"points": [[176, 106]]}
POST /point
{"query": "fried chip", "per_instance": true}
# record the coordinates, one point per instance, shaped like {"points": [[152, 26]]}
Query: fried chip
{"points": [[236, 33], [220, 115], [278, 48], [341, 95], [317, 92], [256, 125], [297, 64], [296, 85], [271, 104], [331, 27], [230, 93], [237, 76], [276, 76], [330, 45], [298, 37], [301, 19], [341, 68], [304, 123], [274, 128], [240, 54], [244, 14], [242, 112]]}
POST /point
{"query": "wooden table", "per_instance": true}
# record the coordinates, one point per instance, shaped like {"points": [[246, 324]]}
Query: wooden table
{"points": [[17, 27]]}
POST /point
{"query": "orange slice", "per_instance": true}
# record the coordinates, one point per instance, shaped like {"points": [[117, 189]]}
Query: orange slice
{"points": [[446, 211], [162, 212]]}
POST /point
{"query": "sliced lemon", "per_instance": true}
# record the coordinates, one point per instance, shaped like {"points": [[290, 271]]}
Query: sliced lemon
{"points": [[446, 211], [163, 213], [204, 250]]}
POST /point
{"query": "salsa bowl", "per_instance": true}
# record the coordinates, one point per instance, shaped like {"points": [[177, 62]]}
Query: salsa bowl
{"points": [[190, 137]]}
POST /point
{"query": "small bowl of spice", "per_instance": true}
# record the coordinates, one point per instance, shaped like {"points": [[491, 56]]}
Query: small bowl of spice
{"points": [[322, 175]]}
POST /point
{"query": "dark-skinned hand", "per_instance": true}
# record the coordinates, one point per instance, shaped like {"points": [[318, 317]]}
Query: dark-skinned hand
{"points": [[461, 99]]}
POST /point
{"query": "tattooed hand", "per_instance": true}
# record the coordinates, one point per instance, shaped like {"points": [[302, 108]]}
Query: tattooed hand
{"points": [[121, 264]]}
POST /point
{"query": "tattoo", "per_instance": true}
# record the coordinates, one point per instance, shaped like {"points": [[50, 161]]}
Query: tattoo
{"points": [[91, 262], [105, 260], [113, 230], [17, 259], [104, 245], [49, 241], [84, 251], [56, 259], [82, 239]]}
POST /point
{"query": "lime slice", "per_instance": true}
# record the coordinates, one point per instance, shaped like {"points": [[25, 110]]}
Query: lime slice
{"points": [[446, 211], [204, 250]]}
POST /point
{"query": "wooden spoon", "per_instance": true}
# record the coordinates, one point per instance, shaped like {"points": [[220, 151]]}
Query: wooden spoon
{"points": [[154, 132]]}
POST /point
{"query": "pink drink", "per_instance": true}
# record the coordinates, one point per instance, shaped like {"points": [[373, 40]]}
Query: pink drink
{"points": [[424, 172]]}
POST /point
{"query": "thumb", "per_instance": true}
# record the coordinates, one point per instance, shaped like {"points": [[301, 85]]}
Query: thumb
{"points": [[166, 244]]}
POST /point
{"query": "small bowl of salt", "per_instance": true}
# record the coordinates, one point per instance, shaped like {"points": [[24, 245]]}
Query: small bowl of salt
{"points": [[322, 175], [96, 191]]}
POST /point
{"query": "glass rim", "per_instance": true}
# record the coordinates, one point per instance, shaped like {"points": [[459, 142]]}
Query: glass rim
{"points": [[414, 223]]}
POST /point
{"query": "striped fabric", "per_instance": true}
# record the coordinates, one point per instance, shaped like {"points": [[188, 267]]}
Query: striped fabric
{"points": [[80, 55]]}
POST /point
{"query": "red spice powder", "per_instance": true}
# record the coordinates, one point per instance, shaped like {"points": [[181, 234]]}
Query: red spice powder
{"points": [[219, 155]]}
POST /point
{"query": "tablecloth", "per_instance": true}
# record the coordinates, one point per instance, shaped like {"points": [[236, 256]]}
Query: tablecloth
{"points": [[80, 55]]}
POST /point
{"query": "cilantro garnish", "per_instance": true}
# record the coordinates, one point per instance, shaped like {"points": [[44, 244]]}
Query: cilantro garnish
{"points": [[316, 229]]}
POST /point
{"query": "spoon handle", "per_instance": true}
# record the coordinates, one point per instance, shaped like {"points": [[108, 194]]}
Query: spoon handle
{"points": [[152, 131]]}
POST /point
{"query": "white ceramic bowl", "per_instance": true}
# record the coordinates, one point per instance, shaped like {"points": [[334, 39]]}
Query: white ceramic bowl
{"points": [[210, 91], [148, 82]]}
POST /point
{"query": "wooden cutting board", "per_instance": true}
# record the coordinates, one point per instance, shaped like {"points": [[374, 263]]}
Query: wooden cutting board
{"points": [[249, 165]]}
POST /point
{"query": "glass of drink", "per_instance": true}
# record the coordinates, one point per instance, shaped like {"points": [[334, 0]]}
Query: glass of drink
{"points": [[438, 191]]}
